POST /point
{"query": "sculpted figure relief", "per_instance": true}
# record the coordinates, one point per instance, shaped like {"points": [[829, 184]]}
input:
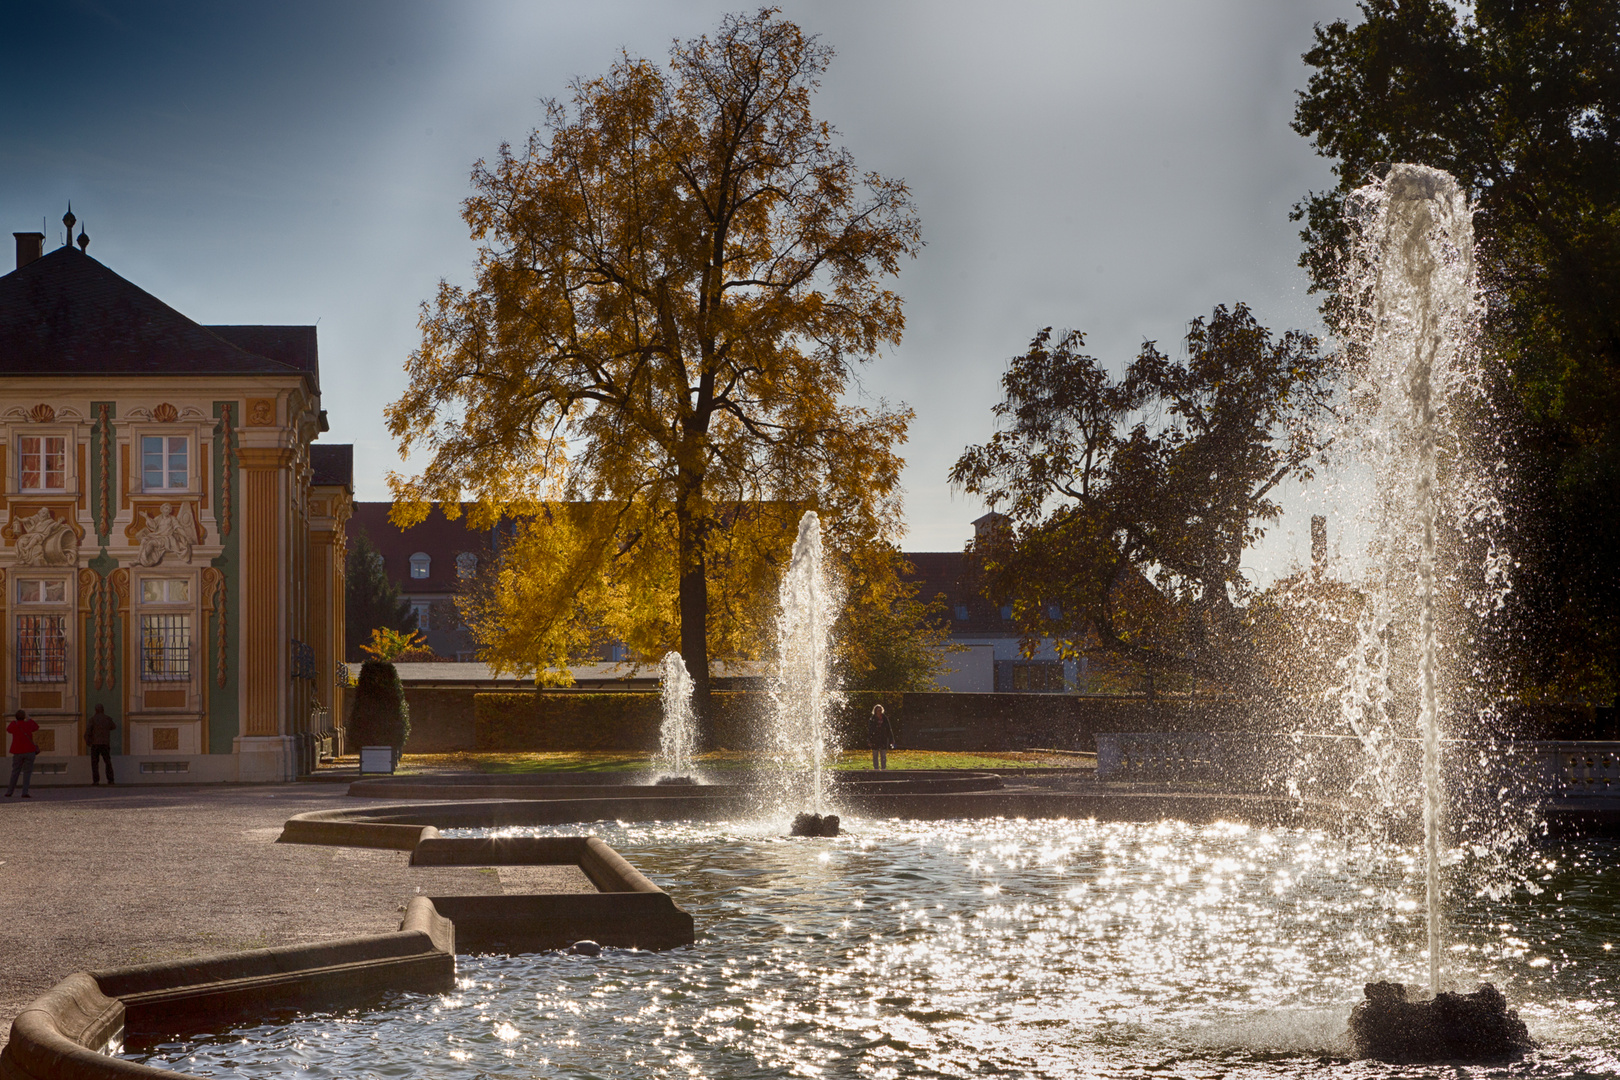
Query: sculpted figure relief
{"points": [[42, 540], [167, 533]]}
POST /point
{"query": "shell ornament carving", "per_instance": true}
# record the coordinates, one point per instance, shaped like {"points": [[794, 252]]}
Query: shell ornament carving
{"points": [[165, 413], [42, 414]]}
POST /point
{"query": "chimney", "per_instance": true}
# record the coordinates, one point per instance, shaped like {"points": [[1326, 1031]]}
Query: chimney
{"points": [[1318, 540], [30, 246]]}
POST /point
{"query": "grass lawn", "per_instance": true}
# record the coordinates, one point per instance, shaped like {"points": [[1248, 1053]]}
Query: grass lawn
{"points": [[616, 761]]}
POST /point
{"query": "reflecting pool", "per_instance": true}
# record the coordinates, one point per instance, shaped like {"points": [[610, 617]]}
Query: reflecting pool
{"points": [[971, 948]]}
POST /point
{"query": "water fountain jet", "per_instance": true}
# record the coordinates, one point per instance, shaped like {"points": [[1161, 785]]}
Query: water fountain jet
{"points": [[801, 740], [677, 740], [1414, 269]]}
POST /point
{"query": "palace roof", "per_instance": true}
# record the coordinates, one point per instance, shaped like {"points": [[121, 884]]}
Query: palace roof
{"points": [[66, 314]]}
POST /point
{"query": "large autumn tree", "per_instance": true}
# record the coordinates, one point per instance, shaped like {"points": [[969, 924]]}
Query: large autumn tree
{"points": [[679, 273], [1521, 103], [1167, 475]]}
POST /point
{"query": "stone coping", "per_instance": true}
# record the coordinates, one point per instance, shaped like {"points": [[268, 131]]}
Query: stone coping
{"points": [[1200, 807], [615, 785], [60, 1036]]}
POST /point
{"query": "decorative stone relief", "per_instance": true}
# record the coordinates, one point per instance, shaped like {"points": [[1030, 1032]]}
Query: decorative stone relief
{"points": [[165, 413], [165, 533], [42, 414], [45, 540], [261, 412]]}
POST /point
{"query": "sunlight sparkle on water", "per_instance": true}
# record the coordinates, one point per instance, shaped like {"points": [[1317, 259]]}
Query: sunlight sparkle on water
{"points": [[961, 948]]}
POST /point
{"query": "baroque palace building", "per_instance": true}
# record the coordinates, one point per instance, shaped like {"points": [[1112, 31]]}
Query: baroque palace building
{"points": [[171, 538]]}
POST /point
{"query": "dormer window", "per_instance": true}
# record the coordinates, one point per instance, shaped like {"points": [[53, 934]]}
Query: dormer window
{"points": [[420, 564], [163, 462], [42, 461]]}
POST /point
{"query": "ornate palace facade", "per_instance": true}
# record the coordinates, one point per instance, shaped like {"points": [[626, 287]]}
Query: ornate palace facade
{"points": [[171, 539]]}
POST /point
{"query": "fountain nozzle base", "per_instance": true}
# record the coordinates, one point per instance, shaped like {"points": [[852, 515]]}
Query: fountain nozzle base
{"points": [[814, 825], [1446, 1027]]}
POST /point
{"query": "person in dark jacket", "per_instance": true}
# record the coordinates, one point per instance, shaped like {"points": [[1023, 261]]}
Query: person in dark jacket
{"points": [[881, 737], [98, 737], [23, 752]]}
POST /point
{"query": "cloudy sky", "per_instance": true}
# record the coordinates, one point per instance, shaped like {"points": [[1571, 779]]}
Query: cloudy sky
{"points": [[1115, 167]]}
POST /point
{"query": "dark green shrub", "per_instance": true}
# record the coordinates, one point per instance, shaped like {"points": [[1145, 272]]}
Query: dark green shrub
{"points": [[380, 716]]}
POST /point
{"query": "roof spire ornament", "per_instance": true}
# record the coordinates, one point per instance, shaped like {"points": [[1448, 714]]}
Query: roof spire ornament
{"points": [[68, 219], [84, 240]]}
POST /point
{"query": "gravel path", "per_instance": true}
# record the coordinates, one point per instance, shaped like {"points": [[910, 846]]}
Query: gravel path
{"points": [[100, 877]]}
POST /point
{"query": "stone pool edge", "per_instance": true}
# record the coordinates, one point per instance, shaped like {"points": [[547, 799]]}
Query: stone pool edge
{"points": [[58, 1036]]}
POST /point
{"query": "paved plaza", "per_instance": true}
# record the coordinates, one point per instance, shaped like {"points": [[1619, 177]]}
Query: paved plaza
{"points": [[93, 878]]}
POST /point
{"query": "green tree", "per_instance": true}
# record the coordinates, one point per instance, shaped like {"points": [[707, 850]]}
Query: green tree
{"points": [[677, 279], [1521, 102], [1165, 476], [889, 638], [371, 601]]}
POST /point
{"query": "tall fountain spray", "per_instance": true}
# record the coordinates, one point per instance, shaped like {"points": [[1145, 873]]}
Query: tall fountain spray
{"points": [[800, 739], [1412, 272], [677, 740], [1416, 262]]}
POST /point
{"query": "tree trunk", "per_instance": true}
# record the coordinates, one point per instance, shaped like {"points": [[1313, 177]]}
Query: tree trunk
{"points": [[694, 604]]}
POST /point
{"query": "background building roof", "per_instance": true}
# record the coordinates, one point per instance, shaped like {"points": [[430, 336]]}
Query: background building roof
{"points": [[332, 465]]}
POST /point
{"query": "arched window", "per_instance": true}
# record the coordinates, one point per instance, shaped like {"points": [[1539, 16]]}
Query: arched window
{"points": [[420, 565]]}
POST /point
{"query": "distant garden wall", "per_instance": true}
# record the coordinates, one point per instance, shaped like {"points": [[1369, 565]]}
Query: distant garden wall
{"points": [[630, 721], [478, 718]]}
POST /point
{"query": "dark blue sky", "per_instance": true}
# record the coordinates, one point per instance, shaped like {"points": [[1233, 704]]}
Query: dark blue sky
{"points": [[1114, 167]]}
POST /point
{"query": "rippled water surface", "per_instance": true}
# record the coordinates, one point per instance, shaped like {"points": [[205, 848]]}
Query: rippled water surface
{"points": [[975, 948]]}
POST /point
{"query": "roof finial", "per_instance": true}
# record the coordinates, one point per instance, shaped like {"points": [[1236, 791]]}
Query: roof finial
{"points": [[84, 240], [68, 219]]}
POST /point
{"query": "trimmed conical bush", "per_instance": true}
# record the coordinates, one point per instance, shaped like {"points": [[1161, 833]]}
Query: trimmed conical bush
{"points": [[380, 716]]}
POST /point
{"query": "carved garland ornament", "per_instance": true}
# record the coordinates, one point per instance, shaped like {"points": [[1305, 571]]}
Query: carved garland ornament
{"points": [[214, 597], [227, 455], [104, 526], [101, 595]]}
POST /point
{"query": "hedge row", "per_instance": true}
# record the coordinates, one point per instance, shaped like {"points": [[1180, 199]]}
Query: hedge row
{"points": [[631, 720], [551, 720]]}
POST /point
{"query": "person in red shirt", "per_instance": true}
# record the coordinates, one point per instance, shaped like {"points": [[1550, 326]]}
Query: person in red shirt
{"points": [[23, 752]]}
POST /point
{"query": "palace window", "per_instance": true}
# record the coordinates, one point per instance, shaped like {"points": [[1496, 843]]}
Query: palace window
{"points": [[42, 462], [165, 590], [35, 591], [420, 563], [41, 635], [41, 648], [165, 648], [466, 565], [163, 462]]}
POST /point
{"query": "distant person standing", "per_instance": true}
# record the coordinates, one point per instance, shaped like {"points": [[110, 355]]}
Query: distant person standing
{"points": [[881, 737], [98, 737], [23, 752]]}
